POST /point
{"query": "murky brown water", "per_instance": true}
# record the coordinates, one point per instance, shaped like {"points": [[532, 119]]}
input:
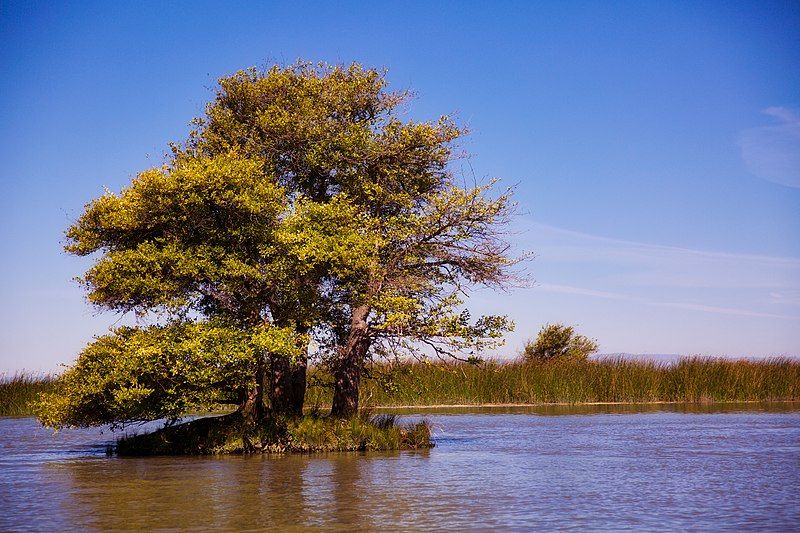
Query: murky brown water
{"points": [[656, 468]]}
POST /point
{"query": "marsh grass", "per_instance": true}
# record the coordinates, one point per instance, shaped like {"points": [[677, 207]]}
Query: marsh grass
{"points": [[605, 380], [18, 391], [691, 380]]}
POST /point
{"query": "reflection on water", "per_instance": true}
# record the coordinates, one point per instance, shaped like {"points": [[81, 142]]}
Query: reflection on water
{"points": [[222, 493], [601, 467]]}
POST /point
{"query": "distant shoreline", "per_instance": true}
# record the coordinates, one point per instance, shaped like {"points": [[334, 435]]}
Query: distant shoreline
{"points": [[575, 404], [610, 382]]}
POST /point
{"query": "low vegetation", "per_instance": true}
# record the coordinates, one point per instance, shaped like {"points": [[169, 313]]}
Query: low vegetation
{"points": [[18, 391], [230, 434], [561, 381], [575, 381]]}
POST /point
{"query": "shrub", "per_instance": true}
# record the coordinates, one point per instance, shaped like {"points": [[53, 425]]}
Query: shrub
{"points": [[556, 342]]}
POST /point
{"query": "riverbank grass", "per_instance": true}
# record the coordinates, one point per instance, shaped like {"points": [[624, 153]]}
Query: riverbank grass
{"points": [[229, 434], [20, 390], [691, 380], [614, 380]]}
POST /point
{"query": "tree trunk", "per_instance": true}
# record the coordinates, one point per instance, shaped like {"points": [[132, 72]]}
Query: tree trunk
{"points": [[296, 392], [287, 387], [252, 408], [279, 383], [347, 373], [296, 386]]}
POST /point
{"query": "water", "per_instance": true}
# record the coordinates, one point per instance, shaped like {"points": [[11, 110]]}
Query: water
{"points": [[643, 468]]}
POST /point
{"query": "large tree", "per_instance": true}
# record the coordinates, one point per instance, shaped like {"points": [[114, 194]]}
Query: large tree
{"points": [[335, 132], [300, 207]]}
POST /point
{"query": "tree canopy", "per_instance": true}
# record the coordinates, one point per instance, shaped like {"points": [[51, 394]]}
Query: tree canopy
{"points": [[301, 218]]}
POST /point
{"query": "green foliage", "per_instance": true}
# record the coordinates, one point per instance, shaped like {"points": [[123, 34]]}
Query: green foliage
{"points": [[139, 374], [556, 341], [194, 236], [325, 130], [405, 237]]}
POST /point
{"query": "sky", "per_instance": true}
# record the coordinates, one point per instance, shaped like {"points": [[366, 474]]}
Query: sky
{"points": [[654, 147]]}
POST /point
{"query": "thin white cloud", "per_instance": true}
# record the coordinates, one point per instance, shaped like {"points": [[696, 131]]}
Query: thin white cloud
{"points": [[630, 264], [635, 248], [719, 310], [567, 289], [785, 297], [747, 285], [773, 152]]}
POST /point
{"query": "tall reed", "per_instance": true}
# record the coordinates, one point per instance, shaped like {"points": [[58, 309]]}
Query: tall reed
{"points": [[605, 380], [493, 382], [19, 390]]}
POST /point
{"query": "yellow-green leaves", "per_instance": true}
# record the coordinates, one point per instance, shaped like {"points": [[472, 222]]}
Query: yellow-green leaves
{"points": [[335, 236], [190, 201], [285, 342], [181, 235], [136, 374]]}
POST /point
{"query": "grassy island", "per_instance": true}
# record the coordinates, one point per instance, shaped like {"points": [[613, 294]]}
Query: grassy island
{"points": [[231, 434]]}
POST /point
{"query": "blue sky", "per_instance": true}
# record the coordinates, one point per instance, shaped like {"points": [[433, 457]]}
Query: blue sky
{"points": [[655, 147]]}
